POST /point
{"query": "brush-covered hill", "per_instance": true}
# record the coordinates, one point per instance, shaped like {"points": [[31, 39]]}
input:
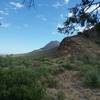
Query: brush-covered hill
{"points": [[86, 43], [73, 72]]}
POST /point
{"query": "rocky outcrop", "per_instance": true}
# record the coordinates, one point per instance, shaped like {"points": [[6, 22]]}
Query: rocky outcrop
{"points": [[85, 43], [82, 44], [69, 45]]}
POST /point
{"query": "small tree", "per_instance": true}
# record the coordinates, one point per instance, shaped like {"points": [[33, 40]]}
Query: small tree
{"points": [[86, 14]]}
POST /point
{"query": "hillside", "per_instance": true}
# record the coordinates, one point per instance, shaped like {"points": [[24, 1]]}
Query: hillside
{"points": [[48, 50], [75, 66], [79, 46], [69, 70], [83, 44]]}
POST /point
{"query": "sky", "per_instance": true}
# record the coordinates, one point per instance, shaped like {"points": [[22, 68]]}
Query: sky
{"points": [[26, 29]]}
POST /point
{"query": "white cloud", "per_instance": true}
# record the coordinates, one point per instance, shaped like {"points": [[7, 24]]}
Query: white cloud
{"points": [[17, 5], [66, 1], [3, 12], [81, 29], [70, 14], [60, 25], [92, 8]]}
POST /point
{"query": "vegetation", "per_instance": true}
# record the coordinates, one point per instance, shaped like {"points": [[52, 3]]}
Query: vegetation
{"points": [[9, 61], [20, 84], [67, 66], [92, 78], [61, 95], [25, 78], [81, 16], [19, 80], [91, 74]]}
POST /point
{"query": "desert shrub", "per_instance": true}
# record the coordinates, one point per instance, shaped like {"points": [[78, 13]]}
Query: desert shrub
{"points": [[42, 59], [46, 76], [5, 61], [91, 75], [85, 68], [92, 78], [20, 84], [51, 81], [57, 69], [15, 61], [85, 59], [50, 96], [60, 95], [42, 71], [59, 61], [67, 66], [88, 59]]}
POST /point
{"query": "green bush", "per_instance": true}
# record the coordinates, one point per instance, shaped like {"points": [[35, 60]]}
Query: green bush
{"points": [[92, 78], [57, 69], [85, 68], [43, 59], [15, 61], [60, 95], [85, 59], [46, 76], [51, 81], [67, 66], [20, 84]]}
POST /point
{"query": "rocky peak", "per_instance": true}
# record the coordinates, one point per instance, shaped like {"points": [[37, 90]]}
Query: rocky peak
{"points": [[51, 45]]}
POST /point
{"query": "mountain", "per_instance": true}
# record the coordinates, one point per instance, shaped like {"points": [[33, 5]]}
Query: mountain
{"points": [[51, 45], [48, 50], [86, 43]]}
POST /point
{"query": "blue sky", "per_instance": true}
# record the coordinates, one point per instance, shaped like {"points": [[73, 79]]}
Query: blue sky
{"points": [[27, 29]]}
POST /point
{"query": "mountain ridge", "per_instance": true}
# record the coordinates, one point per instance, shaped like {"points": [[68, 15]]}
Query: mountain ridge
{"points": [[84, 43]]}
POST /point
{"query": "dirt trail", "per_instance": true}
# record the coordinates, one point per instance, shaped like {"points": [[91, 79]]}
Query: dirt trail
{"points": [[70, 83]]}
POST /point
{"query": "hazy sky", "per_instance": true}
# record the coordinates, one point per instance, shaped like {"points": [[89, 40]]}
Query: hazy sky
{"points": [[26, 29]]}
